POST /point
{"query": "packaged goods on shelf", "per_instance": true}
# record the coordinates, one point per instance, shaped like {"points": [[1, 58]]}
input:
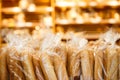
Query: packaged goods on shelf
{"points": [[76, 59]]}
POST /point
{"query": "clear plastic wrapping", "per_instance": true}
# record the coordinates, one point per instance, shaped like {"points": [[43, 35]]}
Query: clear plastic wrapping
{"points": [[111, 63], [37, 67], [60, 68], [47, 67], [20, 59], [74, 57], [14, 65], [87, 65], [58, 56], [98, 65], [62, 52], [26, 60], [78, 59], [73, 65]]}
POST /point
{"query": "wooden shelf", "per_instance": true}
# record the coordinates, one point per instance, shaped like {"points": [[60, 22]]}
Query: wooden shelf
{"points": [[65, 4], [28, 25], [39, 9], [112, 4], [103, 22], [3, 45], [18, 27], [87, 36], [93, 36]]}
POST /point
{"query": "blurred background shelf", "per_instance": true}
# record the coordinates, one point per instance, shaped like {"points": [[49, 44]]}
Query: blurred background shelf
{"points": [[77, 15]]}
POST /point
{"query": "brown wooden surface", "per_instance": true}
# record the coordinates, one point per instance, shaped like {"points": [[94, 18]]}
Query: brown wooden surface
{"points": [[10, 3], [0, 21]]}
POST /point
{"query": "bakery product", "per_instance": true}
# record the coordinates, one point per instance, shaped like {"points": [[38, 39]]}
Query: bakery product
{"points": [[73, 63], [37, 67], [14, 65], [86, 65], [47, 66], [3, 64], [60, 68], [62, 52], [111, 62], [98, 65], [26, 59]]}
